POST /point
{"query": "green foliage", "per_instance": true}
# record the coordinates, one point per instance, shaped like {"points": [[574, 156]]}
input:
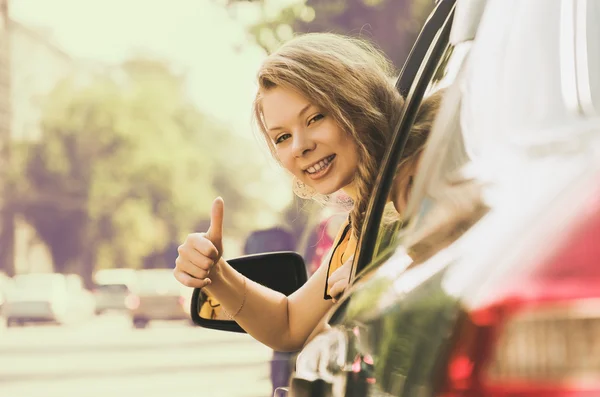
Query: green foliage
{"points": [[125, 168], [391, 24]]}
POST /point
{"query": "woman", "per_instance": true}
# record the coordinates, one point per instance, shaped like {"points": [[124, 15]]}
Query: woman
{"points": [[327, 107]]}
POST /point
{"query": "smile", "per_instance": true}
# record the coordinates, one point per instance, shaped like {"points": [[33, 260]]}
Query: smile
{"points": [[321, 167]]}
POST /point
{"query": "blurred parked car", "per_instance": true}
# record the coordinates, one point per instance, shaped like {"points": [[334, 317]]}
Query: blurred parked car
{"points": [[39, 297], [156, 295], [489, 284], [111, 289], [47, 297]]}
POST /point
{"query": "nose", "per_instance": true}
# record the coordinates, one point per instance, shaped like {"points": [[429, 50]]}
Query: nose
{"points": [[302, 144]]}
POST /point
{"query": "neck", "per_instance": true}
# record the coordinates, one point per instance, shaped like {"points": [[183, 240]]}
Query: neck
{"points": [[350, 190]]}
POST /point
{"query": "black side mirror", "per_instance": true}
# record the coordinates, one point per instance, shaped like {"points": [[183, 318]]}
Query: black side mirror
{"points": [[284, 272]]}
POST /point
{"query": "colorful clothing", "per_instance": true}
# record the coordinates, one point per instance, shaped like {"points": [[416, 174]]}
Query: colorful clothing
{"points": [[344, 248]]}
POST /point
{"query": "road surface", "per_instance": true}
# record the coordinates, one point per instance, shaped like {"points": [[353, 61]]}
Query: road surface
{"points": [[106, 357]]}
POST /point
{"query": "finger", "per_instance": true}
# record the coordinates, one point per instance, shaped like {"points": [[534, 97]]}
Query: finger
{"points": [[337, 288], [349, 261], [190, 281], [336, 276], [341, 273], [186, 266], [203, 245], [215, 231], [197, 258]]}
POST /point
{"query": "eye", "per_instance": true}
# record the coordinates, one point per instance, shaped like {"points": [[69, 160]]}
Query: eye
{"points": [[282, 138], [315, 119]]}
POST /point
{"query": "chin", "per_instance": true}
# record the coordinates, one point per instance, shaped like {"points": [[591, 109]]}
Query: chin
{"points": [[330, 186]]}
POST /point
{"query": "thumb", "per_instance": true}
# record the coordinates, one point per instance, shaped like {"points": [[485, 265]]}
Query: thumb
{"points": [[215, 231]]}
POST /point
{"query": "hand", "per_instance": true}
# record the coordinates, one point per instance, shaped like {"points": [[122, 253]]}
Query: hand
{"points": [[338, 281], [201, 251]]}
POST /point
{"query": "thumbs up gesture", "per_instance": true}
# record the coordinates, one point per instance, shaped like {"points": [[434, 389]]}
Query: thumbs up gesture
{"points": [[201, 251], [215, 230]]}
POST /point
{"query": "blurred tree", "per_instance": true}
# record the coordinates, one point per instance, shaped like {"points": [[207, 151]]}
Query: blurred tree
{"points": [[392, 24], [123, 170]]}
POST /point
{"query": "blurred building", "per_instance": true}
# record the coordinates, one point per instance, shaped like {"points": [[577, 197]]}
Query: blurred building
{"points": [[37, 65], [6, 229], [30, 67]]}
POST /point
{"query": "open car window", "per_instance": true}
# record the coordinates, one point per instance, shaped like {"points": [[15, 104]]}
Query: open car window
{"points": [[391, 222]]}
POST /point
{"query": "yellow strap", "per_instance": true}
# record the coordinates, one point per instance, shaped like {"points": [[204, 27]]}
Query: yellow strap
{"points": [[344, 247]]}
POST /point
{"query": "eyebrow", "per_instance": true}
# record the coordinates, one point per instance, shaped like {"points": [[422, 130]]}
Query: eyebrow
{"points": [[304, 110]]}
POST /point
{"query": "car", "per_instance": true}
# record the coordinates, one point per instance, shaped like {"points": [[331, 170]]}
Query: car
{"points": [[156, 295], [111, 289], [489, 286], [37, 297], [110, 297], [47, 297]]}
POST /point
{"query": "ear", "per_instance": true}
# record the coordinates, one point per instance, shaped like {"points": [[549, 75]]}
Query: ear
{"points": [[403, 182], [416, 161]]}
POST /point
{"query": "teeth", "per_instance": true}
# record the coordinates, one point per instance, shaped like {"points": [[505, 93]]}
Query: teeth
{"points": [[317, 167]]}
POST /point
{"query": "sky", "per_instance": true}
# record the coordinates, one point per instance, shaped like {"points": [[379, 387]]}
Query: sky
{"points": [[197, 36]]}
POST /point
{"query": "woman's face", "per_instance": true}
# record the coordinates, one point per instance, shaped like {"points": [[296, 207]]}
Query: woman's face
{"points": [[308, 141]]}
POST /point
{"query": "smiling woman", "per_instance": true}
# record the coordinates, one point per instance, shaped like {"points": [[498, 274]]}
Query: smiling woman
{"points": [[327, 108], [348, 82]]}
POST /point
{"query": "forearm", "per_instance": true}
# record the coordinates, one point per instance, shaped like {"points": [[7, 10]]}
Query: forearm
{"points": [[279, 322], [264, 313]]}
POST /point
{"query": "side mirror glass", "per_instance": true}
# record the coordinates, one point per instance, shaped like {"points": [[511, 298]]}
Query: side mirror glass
{"points": [[284, 272]]}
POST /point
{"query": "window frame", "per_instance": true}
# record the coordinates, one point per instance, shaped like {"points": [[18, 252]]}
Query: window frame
{"points": [[439, 25]]}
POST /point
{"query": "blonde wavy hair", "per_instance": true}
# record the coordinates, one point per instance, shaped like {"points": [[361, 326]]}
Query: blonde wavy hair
{"points": [[350, 79], [422, 126]]}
